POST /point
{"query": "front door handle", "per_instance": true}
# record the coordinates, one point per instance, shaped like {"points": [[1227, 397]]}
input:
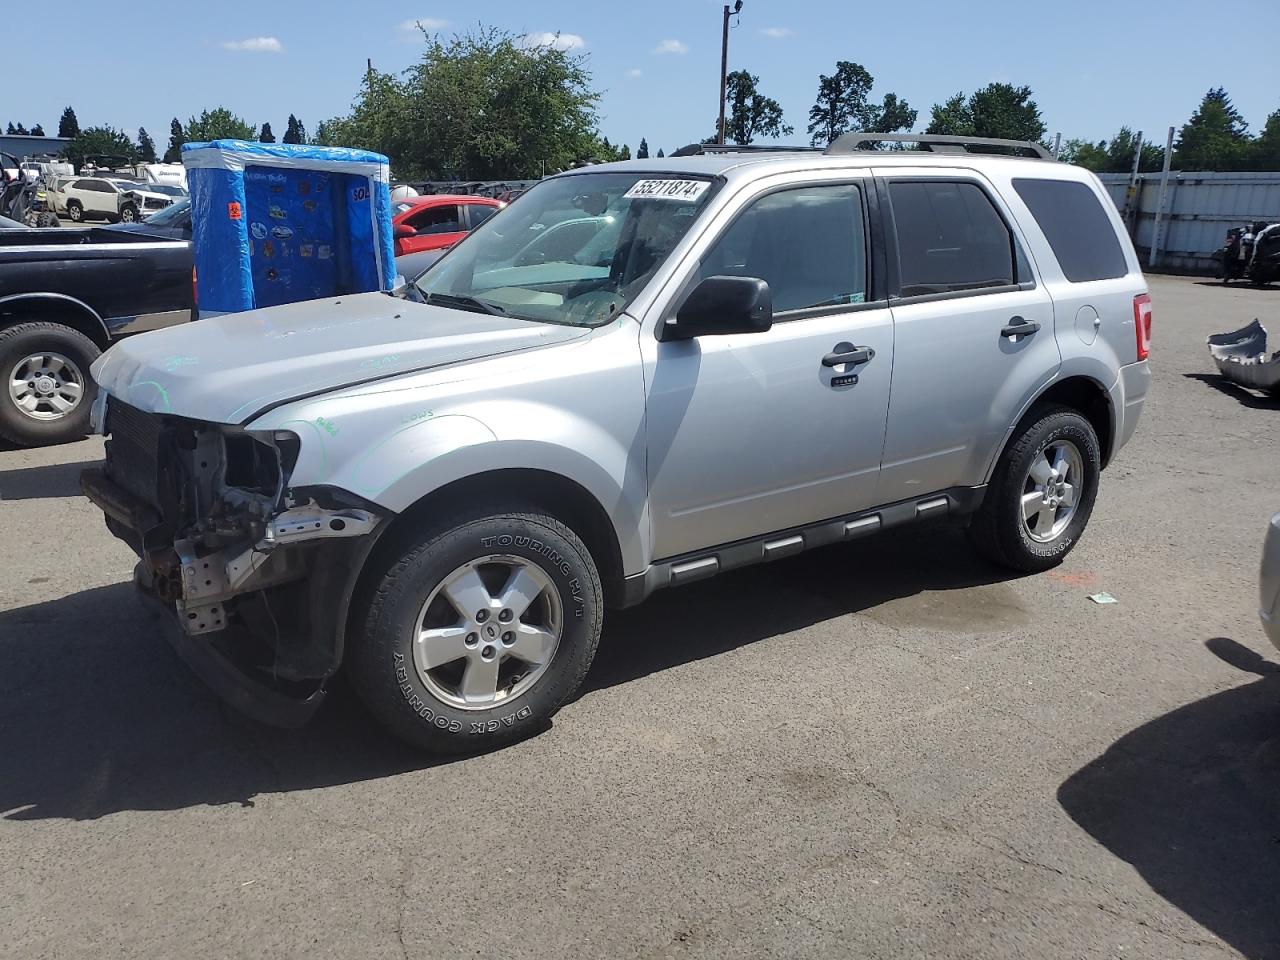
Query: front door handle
{"points": [[1018, 327], [844, 353]]}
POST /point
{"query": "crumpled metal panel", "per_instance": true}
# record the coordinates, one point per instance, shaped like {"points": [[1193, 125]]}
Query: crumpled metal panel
{"points": [[1242, 358]]}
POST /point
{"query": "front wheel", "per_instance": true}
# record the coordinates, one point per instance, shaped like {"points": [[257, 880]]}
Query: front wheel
{"points": [[129, 214], [75, 211], [478, 631], [1042, 493]]}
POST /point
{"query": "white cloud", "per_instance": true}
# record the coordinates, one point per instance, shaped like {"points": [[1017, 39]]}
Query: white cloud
{"points": [[635, 72], [408, 29], [255, 45], [558, 41], [671, 46], [777, 32]]}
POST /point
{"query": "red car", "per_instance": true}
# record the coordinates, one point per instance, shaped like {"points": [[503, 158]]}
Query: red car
{"points": [[439, 221]]}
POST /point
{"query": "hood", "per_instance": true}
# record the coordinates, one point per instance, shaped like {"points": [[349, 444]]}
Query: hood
{"points": [[144, 192], [228, 369]]}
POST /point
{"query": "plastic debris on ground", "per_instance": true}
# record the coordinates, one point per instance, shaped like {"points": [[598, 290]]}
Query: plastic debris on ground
{"points": [[1102, 598], [1242, 357]]}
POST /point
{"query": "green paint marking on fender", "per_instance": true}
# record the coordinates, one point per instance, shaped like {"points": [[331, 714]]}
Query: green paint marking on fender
{"points": [[164, 394]]}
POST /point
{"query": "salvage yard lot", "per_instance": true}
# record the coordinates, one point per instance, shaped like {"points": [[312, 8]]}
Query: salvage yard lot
{"points": [[885, 749]]}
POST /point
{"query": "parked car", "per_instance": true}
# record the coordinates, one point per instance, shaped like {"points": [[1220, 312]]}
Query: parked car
{"points": [[1269, 582], [107, 198], [65, 296], [438, 222], [171, 223], [445, 494]]}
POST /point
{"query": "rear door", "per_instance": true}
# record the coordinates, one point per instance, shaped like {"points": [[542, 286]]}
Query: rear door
{"points": [[478, 213], [974, 330]]}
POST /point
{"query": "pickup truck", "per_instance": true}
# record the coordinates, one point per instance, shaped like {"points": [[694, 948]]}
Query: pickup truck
{"points": [[65, 296]]}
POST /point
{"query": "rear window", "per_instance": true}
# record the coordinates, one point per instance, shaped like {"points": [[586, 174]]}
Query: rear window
{"points": [[950, 238], [1077, 228]]}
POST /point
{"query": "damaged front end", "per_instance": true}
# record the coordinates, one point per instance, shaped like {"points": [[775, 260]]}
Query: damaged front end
{"points": [[259, 574]]}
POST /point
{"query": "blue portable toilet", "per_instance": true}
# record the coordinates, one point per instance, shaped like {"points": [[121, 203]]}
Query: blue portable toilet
{"points": [[275, 223]]}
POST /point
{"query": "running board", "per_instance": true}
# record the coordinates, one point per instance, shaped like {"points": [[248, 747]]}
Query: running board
{"points": [[702, 564]]}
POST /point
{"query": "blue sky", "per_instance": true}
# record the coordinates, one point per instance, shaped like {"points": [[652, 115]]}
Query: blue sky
{"points": [[1093, 65]]}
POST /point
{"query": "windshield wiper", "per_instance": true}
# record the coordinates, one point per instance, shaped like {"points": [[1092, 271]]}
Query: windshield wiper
{"points": [[474, 304]]}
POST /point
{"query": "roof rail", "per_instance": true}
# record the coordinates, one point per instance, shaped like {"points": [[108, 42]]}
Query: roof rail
{"points": [[699, 149], [937, 143]]}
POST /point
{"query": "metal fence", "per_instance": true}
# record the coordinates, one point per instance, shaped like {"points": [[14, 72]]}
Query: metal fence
{"points": [[1198, 209]]}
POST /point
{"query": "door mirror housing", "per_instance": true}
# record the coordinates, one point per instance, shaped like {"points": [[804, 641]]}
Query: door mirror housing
{"points": [[404, 230], [719, 306]]}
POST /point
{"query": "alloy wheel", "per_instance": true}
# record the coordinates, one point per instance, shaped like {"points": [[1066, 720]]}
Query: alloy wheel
{"points": [[488, 632], [1051, 490], [46, 386]]}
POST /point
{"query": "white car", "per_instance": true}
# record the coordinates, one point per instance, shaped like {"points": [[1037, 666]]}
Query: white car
{"points": [[106, 198]]}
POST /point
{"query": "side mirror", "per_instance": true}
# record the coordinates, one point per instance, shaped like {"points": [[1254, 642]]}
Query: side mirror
{"points": [[722, 305], [404, 230]]}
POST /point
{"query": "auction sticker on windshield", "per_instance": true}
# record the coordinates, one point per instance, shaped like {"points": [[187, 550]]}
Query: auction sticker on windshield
{"points": [[685, 190]]}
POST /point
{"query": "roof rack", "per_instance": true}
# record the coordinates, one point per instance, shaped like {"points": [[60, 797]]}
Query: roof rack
{"points": [[936, 143], [699, 149]]}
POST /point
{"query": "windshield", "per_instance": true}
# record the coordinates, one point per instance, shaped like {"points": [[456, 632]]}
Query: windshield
{"points": [[174, 215], [573, 250]]}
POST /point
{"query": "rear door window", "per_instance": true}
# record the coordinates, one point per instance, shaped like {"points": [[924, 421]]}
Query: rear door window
{"points": [[1077, 228], [439, 219], [950, 238], [808, 244], [479, 213]]}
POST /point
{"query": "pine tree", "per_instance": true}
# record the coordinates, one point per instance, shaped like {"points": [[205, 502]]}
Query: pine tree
{"points": [[1215, 138], [69, 126], [37, 131], [146, 146], [21, 130], [295, 133], [266, 136], [177, 137], [642, 151], [10, 130], [660, 153]]}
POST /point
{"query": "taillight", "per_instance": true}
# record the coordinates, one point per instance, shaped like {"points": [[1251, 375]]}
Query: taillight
{"points": [[1142, 324]]}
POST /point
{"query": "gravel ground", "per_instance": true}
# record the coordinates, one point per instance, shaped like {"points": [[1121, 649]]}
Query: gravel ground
{"points": [[885, 749]]}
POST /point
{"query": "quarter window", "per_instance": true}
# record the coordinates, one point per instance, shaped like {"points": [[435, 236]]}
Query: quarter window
{"points": [[950, 238], [1077, 228], [808, 244], [441, 219], [479, 213]]}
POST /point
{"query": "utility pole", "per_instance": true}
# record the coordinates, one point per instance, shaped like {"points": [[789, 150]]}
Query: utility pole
{"points": [[724, 63]]}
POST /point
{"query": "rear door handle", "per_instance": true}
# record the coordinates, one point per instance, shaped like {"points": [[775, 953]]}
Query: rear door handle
{"points": [[1018, 327], [844, 353]]}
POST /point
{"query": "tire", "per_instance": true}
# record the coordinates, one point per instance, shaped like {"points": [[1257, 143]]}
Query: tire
{"points": [[75, 211], [1000, 531], [423, 704], [129, 213], [47, 220], [45, 424]]}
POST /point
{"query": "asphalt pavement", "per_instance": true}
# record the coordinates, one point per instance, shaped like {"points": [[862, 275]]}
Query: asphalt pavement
{"points": [[886, 749]]}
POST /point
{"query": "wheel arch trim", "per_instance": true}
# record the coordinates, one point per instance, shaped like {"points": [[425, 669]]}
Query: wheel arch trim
{"points": [[98, 331]]}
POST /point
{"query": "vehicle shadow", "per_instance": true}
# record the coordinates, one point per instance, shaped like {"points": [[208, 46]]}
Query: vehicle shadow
{"points": [[1239, 285], [1244, 395], [98, 715], [42, 482], [1192, 801]]}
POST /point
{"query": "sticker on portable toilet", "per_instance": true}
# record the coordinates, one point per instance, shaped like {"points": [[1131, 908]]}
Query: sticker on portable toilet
{"points": [[323, 252], [281, 233], [277, 213], [233, 210], [305, 250], [268, 249], [259, 230]]}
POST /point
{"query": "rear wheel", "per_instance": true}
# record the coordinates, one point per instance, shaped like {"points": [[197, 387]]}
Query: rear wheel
{"points": [[1042, 493], [75, 211], [47, 389], [478, 631]]}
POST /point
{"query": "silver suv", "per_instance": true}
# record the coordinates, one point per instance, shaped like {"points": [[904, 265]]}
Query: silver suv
{"points": [[741, 355]]}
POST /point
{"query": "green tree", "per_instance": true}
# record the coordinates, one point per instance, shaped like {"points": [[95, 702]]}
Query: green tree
{"points": [[892, 115], [20, 130], [37, 131], [101, 141], [219, 124], [476, 106], [1114, 155], [295, 132], [11, 129], [842, 103], [266, 136], [998, 110], [642, 151], [660, 153], [1264, 152], [68, 125], [146, 146], [177, 137], [750, 113], [624, 153], [1215, 138]]}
